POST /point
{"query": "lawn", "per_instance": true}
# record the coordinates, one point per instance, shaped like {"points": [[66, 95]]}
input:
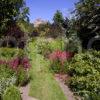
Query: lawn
{"points": [[43, 86]]}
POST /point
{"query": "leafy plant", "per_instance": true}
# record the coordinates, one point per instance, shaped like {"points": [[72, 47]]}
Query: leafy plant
{"points": [[22, 76], [85, 71], [12, 93], [59, 60], [7, 78]]}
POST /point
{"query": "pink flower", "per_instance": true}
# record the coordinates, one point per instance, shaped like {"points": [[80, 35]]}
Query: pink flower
{"points": [[14, 63], [2, 62], [25, 63], [61, 56]]}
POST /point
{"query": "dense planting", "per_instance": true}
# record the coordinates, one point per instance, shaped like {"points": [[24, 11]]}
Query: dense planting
{"points": [[85, 72], [14, 66], [12, 93], [45, 46], [7, 78], [59, 60]]}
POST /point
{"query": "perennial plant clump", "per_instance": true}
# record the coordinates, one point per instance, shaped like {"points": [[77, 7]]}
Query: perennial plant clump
{"points": [[58, 60], [15, 62]]}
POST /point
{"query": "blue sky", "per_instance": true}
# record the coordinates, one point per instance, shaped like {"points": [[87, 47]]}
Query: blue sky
{"points": [[45, 9]]}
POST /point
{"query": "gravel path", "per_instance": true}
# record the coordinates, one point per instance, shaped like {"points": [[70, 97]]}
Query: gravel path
{"points": [[24, 93], [69, 95]]}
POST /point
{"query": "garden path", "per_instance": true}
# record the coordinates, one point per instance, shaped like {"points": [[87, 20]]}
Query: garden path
{"points": [[24, 93]]}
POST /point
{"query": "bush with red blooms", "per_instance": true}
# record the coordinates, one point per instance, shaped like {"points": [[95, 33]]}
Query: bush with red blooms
{"points": [[16, 62], [20, 66], [2, 62], [59, 60]]}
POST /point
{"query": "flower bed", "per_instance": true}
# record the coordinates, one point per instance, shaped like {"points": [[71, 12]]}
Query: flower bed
{"points": [[59, 60], [14, 68]]}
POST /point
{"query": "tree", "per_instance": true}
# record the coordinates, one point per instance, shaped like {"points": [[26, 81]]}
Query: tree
{"points": [[87, 20], [58, 18], [11, 11], [57, 26], [42, 30]]}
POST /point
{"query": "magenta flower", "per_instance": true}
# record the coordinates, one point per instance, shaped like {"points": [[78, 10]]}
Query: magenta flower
{"points": [[61, 56], [3, 62], [25, 62], [14, 63]]}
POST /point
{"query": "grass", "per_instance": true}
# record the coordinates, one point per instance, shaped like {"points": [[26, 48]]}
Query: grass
{"points": [[43, 86]]}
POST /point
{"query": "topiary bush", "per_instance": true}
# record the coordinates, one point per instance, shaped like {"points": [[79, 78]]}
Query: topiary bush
{"points": [[12, 93]]}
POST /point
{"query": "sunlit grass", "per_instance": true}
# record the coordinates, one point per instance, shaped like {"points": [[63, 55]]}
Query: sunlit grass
{"points": [[43, 86]]}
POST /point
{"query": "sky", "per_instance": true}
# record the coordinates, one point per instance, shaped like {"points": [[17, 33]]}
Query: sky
{"points": [[45, 9]]}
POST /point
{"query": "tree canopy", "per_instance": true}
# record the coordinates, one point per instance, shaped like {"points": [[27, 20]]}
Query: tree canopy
{"points": [[87, 19], [11, 11]]}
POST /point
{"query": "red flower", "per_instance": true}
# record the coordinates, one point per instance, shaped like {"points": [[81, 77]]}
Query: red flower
{"points": [[14, 63], [2, 62], [61, 56], [25, 63]]}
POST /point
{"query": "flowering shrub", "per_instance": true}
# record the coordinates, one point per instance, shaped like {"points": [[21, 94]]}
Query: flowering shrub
{"points": [[25, 63], [62, 56], [2, 62], [14, 63], [58, 60], [17, 66]]}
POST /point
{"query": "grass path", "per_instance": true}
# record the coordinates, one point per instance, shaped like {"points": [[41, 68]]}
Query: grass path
{"points": [[43, 86]]}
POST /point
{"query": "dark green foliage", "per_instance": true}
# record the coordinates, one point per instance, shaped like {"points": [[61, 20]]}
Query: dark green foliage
{"points": [[43, 30], [12, 93], [85, 72], [57, 26], [58, 18], [87, 22], [7, 78], [10, 11], [22, 76], [10, 53], [74, 44]]}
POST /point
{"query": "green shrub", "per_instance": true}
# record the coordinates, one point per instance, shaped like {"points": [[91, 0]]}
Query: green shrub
{"points": [[85, 71], [85, 63], [46, 46], [56, 66], [57, 44], [41, 46], [88, 83], [22, 76], [74, 44], [10, 53], [92, 96], [12, 93], [6, 82], [7, 53], [5, 71], [7, 78]]}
